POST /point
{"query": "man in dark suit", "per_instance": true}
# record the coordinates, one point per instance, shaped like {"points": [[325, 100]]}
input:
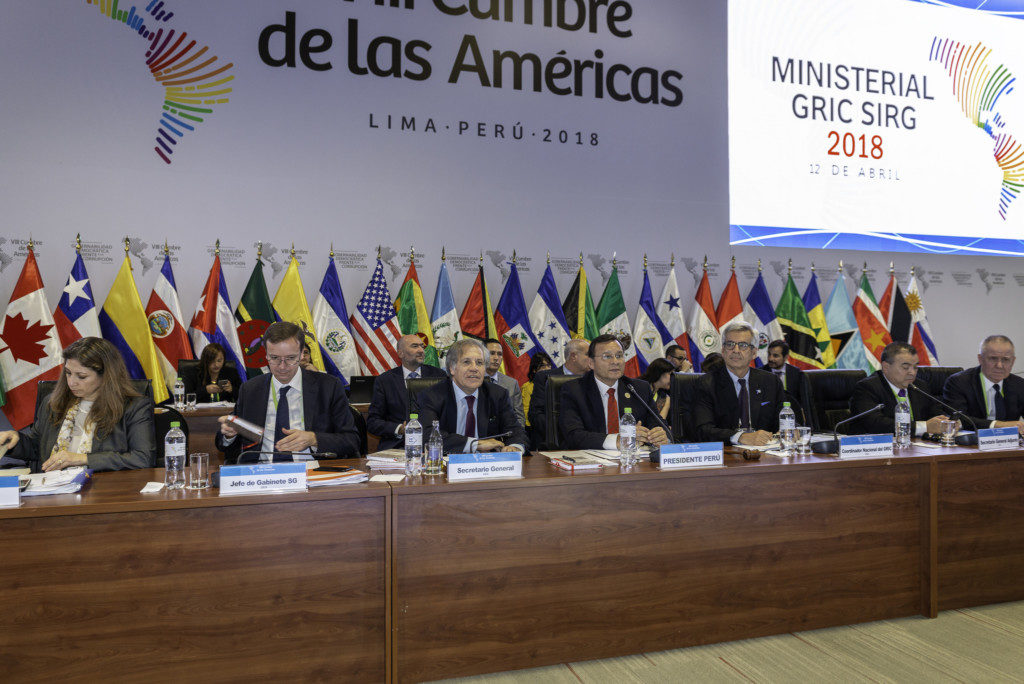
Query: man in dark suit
{"points": [[301, 412], [576, 363], [467, 409], [592, 404], [679, 359], [389, 406], [895, 382], [735, 403], [989, 394], [794, 381]]}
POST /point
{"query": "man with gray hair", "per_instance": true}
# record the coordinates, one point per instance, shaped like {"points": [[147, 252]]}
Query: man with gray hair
{"points": [[472, 415], [989, 394], [735, 403], [576, 362]]}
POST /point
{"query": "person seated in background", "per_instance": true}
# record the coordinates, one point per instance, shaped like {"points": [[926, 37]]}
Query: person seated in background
{"points": [[306, 358], [679, 359], [989, 394], [592, 404], [472, 415], [711, 362], [214, 381], [389, 406], [794, 381], [515, 393], [538, 362], [659, 376], [301, 412], [576, 363], [735, 403], [894, 383], [94, 417]]}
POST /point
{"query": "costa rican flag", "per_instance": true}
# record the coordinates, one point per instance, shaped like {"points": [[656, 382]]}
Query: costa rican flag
{"points": [[375, 326], [165, 323], [75, 315], [213, 320]]}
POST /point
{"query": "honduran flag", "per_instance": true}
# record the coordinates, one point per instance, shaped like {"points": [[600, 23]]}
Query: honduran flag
{"points": [[75, 315], [518, 342], [548, 320], [166, 323], [649, 333], [213, 320]]}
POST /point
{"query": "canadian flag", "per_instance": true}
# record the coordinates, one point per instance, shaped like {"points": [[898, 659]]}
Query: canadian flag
{"points": [[30, 349]]}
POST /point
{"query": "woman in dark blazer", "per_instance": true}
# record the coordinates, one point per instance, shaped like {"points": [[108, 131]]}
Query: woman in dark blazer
{"points": [[93, 417], [214, 381]]}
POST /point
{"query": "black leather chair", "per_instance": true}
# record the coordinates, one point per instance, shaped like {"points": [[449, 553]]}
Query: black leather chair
{"points": [[360, 421], [414, 387], [682, 394], [934, 377], [187, 373], [360, 389], [553, 409], [163, 416], [45, 387], [832, 390]]}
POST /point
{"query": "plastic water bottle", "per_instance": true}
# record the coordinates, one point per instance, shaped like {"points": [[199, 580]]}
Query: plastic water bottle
{"points": [[413, 446], [627, 438], [787, 428], [902, 437], [435, 451], [175, 448], [179, 394]]}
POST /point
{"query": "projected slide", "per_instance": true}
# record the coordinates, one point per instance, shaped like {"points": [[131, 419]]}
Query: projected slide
{"points": [[890, 125]]}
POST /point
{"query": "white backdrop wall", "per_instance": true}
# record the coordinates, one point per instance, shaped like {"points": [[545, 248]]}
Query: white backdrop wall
{"points": [[306, 156]]}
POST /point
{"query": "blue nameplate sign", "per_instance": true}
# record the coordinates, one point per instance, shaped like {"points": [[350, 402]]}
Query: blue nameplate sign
{"points": [[695, 455], [865, 446], [492, 466], [998, 438], [10, 492], [262, 477]]}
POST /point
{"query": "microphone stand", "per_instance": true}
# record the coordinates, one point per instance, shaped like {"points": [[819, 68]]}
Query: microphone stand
{"points": [[832, 447], [967, 440], [657, 416]]}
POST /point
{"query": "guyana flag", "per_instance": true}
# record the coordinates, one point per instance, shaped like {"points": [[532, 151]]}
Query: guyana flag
{"points": [[477, 319], [578, 308], [797, 330], [412, 313], [254, 314], [613, 320]]}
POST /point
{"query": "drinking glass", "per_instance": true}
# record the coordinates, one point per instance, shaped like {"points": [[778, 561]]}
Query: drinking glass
{"points": [[199, 471]]}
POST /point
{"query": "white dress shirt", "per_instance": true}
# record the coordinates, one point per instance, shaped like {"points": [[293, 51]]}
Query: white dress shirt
{"points": [[295, 416]]}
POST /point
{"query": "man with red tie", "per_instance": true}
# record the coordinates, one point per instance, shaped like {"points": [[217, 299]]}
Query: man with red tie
{"points": [[592, 404]]}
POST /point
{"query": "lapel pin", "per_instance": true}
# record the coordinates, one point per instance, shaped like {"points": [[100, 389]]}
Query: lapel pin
{"points": [[626, 395]]}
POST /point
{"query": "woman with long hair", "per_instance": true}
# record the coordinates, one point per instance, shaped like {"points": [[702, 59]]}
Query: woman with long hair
{"points": [[93, 417], [214, 380], [659, 376]]}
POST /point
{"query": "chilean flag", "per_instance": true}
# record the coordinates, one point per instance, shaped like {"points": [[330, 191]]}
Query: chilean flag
{"points": [[213, 320], [512, 322], [76, 315], [165, 323]]}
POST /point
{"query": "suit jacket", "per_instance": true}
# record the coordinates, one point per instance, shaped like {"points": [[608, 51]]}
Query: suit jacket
{"points": [[493, 415], [325, 411], [195, 384], [538, 405], [716, 409], [797, 390], [963, 391], [515, 393], [130, 445], [582, 417], [875, 389], [389, 406]]}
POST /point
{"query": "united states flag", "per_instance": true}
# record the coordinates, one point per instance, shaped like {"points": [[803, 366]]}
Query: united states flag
{"points": [[375, 326]]}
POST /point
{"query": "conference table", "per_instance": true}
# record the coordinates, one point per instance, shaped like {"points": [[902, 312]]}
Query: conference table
{"points": [[424, 579]]}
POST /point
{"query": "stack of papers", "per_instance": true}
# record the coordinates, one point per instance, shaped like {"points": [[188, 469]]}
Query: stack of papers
{"points": [[215, 404], [67, 481], [326, 479], [389, 459], [577, 460]]}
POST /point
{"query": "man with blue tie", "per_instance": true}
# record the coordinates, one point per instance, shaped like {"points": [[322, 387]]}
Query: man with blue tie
{"points": [[302, 412], [471, 413], [389, 406]]}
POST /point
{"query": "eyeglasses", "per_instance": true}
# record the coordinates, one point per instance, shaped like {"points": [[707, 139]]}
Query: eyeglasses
{"points": [[282, 360], [742, 346], [613, 357]]}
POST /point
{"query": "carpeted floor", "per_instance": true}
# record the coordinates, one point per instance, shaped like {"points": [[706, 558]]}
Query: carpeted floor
{"points": [[972, 645]]}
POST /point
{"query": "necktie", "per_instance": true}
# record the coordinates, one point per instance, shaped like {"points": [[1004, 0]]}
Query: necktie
{"points": [[613, 412], [782, 377], [282, 422], [744, 399], [1000, 403], [413, 375], [470, 417]]}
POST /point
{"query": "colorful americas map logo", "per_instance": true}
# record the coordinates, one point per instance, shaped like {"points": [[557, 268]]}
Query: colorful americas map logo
{"points": [[193, 78]]}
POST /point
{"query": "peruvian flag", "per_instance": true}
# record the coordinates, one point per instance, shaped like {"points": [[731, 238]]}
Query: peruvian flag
{"points": [[213, 320], [730, 305], [30, 350], [165, 323], [703, 332]]}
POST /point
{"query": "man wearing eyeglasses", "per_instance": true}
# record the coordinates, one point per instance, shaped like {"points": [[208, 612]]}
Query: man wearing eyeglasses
{"points": [[592, 404], [677, 356], [735, 403], [302, 412], [990, 394]]}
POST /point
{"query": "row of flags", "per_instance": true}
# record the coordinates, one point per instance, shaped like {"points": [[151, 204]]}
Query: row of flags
{"points": [[153, 338]]}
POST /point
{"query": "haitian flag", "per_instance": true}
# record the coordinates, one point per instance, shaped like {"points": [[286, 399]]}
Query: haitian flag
{"points": [[513, 325], [75, 315], [213, 321]]}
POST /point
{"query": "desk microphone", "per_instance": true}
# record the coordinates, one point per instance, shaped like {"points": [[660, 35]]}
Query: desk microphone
{"points": [[832, 446], [969, 439], [657, 416]]}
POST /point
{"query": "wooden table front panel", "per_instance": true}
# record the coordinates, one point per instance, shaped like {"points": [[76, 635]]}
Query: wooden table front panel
{"points": [[286, 591], [500, 578], [980, 531]]}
